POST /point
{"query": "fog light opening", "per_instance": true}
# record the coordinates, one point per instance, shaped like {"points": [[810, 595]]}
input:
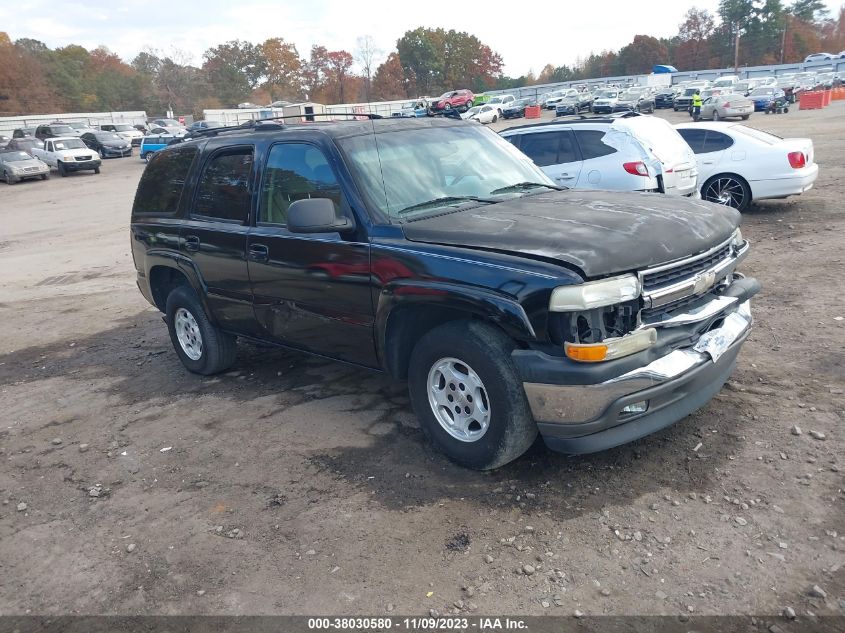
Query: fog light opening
{"points": [[635, 408]]}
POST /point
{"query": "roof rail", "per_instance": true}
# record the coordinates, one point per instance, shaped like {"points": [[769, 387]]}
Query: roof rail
{"points": [[254, 124]]}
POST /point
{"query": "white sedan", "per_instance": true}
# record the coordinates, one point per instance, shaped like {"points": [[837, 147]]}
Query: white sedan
{"points": [[482, 113], [738, 164]]}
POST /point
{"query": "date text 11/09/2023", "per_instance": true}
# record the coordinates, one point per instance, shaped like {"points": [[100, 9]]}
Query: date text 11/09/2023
{"points": [[360, 624]]}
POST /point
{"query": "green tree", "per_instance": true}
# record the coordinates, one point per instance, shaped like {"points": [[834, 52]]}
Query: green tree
{"points": [[809, 10], [234, 69]]}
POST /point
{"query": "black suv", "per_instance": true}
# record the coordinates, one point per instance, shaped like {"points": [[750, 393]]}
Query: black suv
{"points": [[432, 250], [54, 130]]}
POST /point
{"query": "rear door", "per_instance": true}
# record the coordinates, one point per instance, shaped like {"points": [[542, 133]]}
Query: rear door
{"points": [[312, 291], [556, 153], [215, 231], [600, 166]]}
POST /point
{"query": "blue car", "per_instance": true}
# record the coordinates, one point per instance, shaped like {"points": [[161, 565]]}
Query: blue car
{"points": [[764, 95], [151, 144]]}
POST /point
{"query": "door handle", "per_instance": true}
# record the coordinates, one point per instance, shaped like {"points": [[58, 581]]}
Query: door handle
{"points": [[258, 253], [192, 243], [565, 177]]}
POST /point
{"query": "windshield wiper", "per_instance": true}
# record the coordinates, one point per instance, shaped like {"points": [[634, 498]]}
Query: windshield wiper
{"points": [[444, 201], [520, 186]]}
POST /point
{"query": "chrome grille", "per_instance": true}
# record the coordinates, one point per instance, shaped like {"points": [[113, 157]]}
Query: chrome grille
{"points": [[82, 157], [685, 270]]}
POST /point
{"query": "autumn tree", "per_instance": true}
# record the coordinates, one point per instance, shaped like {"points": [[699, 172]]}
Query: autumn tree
{"points": [[366, 54], [389, 81], [234, 69], [23, 84], [693, 35], [283, 69]]}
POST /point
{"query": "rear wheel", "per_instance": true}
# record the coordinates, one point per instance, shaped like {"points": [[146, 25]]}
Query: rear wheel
{"points": [[202, 347], [466, 392], [716, 116], [728, 190]]}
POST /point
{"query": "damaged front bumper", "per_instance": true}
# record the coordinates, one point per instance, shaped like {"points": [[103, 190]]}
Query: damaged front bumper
{"points": [[583, 408]]}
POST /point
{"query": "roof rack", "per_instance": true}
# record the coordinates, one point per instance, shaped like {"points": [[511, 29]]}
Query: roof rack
{"points": [[254, 124]]}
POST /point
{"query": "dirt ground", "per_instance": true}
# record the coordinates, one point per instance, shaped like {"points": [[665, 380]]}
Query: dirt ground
{"points": [[298, 486]]}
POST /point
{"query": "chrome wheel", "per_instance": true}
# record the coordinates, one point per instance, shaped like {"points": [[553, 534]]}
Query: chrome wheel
{"points": [[727, 191], [458, 399], [188, 334]]}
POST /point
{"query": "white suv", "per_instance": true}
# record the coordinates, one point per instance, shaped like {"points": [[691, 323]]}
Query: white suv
{"points": [[625, 153]]}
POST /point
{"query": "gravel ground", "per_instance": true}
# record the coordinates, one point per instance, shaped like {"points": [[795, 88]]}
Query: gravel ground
{"points": [[293, 485]]}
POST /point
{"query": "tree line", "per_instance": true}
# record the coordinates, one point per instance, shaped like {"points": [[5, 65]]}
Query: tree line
{"points": [[37, 79]]}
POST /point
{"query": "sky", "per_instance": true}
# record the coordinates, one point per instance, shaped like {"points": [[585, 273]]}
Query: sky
{"points": [[526, 40]]}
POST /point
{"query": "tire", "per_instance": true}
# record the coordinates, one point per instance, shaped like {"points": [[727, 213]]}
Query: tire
{"points": [[96, 170], [495, 118], [727, 189], [101, 153], [206, 350], [45, 176], [61, 167], [477, 351], [10, 180], [745, 117], [716, 116]]}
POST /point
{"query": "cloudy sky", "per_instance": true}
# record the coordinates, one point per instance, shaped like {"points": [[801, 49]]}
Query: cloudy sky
{"points": [[546, 33]]}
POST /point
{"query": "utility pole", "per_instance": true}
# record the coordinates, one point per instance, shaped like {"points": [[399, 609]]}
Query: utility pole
{"points": [[736, 48], [783, 38]]}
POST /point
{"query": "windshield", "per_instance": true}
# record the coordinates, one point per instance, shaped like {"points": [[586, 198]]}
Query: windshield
{"points": [[762, 92], [608, 94], [401, 169], [72, 143], [123, 127], [61, 129], [108, 136], [78, 125], [15, 156], [169, 123], [474, 110], [496, 100]]}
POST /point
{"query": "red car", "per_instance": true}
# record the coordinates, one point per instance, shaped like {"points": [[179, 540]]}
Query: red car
{"points": [[460, 100]]}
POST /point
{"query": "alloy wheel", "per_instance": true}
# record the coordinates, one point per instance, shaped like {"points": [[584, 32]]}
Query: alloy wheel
{"points": [[458, 399], [188, 333], [727, 191]]}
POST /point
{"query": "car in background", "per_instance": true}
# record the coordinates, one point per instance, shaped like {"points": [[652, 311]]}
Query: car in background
{"points": [[480, 99], [683, 101], [27, 144], [789, 85], [664, 98], [202, 125], [126, 131], [744, 87], [727, 106], [53, 130], [80, 127], [726, 82], [738, 164], [635, 100], [155, 142], [4, 140], [571, 104], [516, 109], [553, 98], [605, 101], [483, 114], [17, 165], [824, 81], [172, 126], [67, 155], [107, 144], [623, 153], [460, 100], [763, 96], [819, 57], [24, 132], [500, 102]]}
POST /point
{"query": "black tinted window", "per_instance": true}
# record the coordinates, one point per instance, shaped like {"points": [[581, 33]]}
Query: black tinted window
{"points": [[694, 138], [295, 171], [716, 142], [223, 190], [590, 142], [541, 147], [162, 183]]}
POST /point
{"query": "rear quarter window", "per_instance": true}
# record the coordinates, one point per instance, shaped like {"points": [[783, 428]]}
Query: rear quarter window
{"points": [[161, 186], [590, 142]]}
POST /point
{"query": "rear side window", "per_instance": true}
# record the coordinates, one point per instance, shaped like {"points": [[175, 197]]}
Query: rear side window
{"points": [[161, 185], [716, 142], [590, 142], [223, 190], [541, 147], [694, 138]]}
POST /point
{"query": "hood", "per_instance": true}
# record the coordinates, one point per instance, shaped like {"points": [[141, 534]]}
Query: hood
{"points": [[117, 144], [598, 232]]}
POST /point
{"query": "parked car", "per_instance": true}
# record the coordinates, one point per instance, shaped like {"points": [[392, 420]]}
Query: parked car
{"points": [[635, 100], [125, 131], [79, 128], [107, 144], [155, 142], [483, 114], [4, 140], [480, 99], [553, 98], [172, 126], [27, 144], [572, 104], [726, 83], [203, 125], [516, 109], [664, 98], [460, 100], [684, 100], [630, 153], [53, 130], [819, 57], [67, 155], [413, 109], [726, 106], [738, 164], [17, 165], [512, 309], [24, 132], [763, 96], [605, 101], [500, 102]]}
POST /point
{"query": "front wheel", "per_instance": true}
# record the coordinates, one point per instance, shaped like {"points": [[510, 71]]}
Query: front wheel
{"points": [[61, 167], [495, 118], [728, 190], [202, 347], [96, 170], [9, 178], [745, 117], [468, 396]]}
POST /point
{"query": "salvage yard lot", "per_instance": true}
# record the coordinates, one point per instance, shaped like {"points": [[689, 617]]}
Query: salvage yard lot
{"points": [[295, 485]]}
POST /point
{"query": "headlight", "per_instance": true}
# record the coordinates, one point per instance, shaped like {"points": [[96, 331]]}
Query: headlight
{"points": [[595, 294], [737, 240]]}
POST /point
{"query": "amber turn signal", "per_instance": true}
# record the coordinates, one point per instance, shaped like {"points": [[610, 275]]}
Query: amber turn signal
{"points": [[586, 353], [611, 348]]}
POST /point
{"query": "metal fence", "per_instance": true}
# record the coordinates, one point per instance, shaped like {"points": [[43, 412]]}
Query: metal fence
{"points": [[8, 124]]}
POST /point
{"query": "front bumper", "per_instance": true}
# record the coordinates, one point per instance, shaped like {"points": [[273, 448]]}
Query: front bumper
{"points": [[81, 165], [582, 408], [115, 152]]}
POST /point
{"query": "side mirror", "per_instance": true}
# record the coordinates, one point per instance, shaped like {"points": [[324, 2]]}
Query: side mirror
{"points": [[317, 215]]}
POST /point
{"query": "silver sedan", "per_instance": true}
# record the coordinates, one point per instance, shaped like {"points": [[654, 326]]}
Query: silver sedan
{"points": [[17, 165]]}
